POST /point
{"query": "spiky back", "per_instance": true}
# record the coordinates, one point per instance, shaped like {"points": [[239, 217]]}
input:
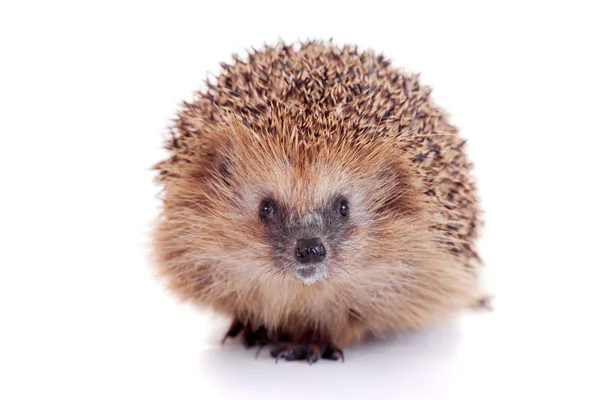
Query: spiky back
{"points": [[320, 94]]}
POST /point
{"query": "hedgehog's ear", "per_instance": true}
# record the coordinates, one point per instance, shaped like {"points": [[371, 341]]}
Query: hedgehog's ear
{"points": [[397, 188], [219, 156], [220, 142]]}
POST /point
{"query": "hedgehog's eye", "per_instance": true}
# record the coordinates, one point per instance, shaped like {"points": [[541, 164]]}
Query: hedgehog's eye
{"points": [[342, 207], [267, 209]]}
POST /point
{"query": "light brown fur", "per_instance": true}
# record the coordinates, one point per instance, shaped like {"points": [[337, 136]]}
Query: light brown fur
{"points": [[301, 125]]}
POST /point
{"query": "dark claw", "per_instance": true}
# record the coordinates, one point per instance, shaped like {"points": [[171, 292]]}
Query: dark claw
{"points": [[258, 337], [234, 330], [332, 353], [289, 351], [250, 337], [308, 352], [280, 352], [258, 351], [312, 356]]}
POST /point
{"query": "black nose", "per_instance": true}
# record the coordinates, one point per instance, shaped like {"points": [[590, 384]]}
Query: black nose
{"points": [[310, 251]]}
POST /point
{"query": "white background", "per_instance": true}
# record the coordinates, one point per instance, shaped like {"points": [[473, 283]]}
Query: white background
{"points": [[86, 92]]}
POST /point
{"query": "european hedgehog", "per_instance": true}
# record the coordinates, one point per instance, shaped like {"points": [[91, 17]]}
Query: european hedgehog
{"points": [[318, 197]]}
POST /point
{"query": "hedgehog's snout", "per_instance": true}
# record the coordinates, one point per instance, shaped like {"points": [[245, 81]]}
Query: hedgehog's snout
{"points": [[310, 251]]}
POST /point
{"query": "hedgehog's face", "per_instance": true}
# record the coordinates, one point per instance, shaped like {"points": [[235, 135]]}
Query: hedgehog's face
{"points": [[306, 241], [257, 208]]}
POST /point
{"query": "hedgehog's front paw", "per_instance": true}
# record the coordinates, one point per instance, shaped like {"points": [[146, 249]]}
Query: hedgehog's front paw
{"points": [[250, 337], [309, 352]]}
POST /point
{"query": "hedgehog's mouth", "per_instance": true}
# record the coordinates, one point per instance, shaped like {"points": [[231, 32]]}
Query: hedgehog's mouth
{"points": [[309, 274]]}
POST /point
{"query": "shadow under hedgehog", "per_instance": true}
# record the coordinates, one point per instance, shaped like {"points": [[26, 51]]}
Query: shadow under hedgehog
{"points": [[318, 197]]}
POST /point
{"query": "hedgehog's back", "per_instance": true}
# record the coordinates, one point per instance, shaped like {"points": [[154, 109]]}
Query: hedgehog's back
{"points": [[319, 91]]}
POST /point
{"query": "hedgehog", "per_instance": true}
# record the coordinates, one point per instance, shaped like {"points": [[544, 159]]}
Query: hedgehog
{"points": [[318, 197]]}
